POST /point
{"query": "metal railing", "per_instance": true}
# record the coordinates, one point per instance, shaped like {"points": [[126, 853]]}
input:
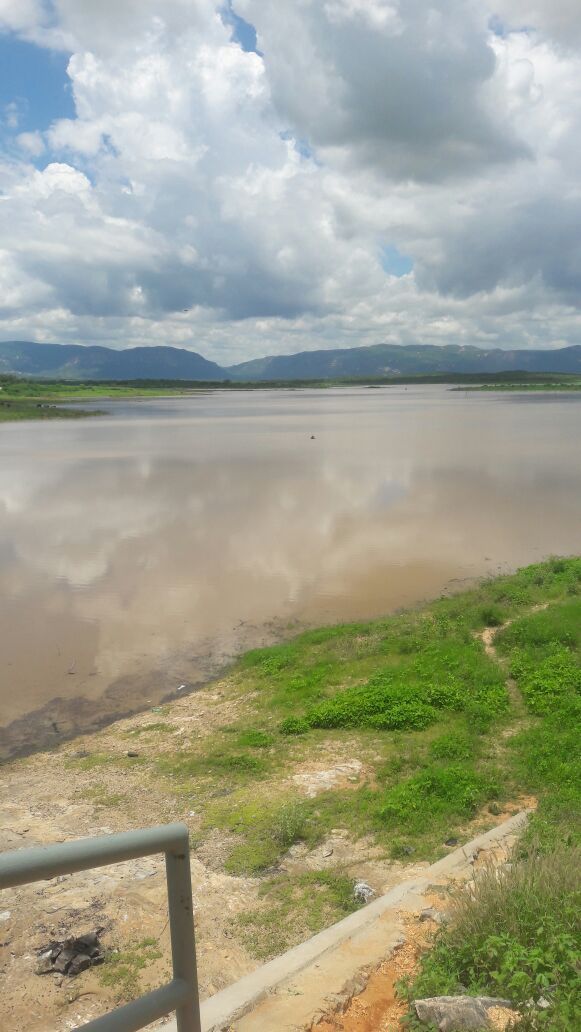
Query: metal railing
{"points": [[179, 995]]}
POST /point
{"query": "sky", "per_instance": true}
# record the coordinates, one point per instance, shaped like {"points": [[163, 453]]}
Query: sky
{"points": [[247, 178]]}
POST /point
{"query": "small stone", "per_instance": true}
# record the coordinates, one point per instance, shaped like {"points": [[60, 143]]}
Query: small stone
{"points": [[5, 915], [44, 964], [363, 892], [133, 755], [327, 852], [431, 914], [451, 842]]}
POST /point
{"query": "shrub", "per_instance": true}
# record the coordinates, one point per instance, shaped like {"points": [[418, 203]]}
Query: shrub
{"points": [[491, 615], [254, 739], [294, 726], [452, 746], [434, 796], [516, 936], [545, 682], [288, 824]]}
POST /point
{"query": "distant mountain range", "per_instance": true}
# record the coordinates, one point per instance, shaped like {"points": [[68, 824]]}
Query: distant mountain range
{"points": [[398, 360], [77, 362]]}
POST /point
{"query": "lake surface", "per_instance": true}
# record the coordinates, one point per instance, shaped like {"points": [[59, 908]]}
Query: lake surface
{"points": [[141, 550]]}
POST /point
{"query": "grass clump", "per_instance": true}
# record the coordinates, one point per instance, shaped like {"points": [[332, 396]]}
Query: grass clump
{"points": [[99, 796], [448, 672], [293, 909], [517, 936], [158, 727], [458, 745], [434, 798], [266, 831], [223, 765], [123, 968], [253, 738]]}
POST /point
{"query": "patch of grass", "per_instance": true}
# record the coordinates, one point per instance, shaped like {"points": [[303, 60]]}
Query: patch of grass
{"points": [[492, 615], [267, 831], [123, 968], [91, 761], [434, 798], [222, 765], [516, 936], [99, 796], [555, 625], [253, 738], [459, 745], [158, 727], [519, 935], [448, 670], [293, 909]]}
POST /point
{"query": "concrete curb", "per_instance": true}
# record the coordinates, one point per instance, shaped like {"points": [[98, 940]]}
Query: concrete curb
{"points": [[232, 1003]]}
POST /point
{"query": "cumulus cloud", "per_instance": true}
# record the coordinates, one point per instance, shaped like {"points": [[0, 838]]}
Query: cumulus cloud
{"points": [[402, 88], [240, 202], [559, 19]]}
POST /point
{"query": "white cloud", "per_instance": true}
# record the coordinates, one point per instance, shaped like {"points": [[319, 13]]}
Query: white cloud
{"points": [[238, 204], [559, 19]]}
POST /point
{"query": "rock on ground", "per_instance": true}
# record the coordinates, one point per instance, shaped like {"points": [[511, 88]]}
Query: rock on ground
{"points": [[457, 1013]]}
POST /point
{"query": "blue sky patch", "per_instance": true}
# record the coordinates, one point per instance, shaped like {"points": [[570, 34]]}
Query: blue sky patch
{"points": [[302, 146], [34, 86], [394, 262], [242, 31]]}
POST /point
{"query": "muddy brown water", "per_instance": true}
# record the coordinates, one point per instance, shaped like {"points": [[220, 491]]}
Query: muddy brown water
{"points": [[142, 550]]}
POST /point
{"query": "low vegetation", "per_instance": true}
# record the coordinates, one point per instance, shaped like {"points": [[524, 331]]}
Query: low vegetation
{"points": [[519, 935], [27, 398], [295, 908], [451, 711], [122, 969]]}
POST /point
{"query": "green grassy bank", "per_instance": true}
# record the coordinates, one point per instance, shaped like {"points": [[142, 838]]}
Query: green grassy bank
{"points": [[456, 712], [22, 398], [42, 399], [448, 730]]}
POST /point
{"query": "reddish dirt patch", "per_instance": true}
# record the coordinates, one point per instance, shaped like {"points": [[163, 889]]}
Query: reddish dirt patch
{"points": [[378, 1008]]}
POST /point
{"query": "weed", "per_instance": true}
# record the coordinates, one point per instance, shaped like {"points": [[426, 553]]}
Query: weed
{"points": [[122, 968], [158, 728], [516, 936], [90, 761], [295, 908], [253, 739], [100, 797], [268, 832], [294, 726]]}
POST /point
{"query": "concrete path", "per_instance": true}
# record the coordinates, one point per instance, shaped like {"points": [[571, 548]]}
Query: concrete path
{"points": [[294, 990]]}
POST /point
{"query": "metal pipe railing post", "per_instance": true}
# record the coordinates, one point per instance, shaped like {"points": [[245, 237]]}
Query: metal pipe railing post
{"points": [[181, 922], [22, 866]]}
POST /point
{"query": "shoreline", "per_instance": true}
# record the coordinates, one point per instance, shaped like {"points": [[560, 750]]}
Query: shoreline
{"points": [[287, 805], [23, 400]]}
